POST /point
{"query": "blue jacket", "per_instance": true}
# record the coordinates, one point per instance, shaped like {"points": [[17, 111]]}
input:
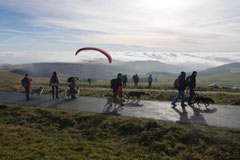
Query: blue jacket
{"points": [[150, 79]]}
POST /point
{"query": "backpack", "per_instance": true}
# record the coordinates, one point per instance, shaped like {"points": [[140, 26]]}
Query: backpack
{"points": [[176, 84], [113, 84], [24, 82], [54, 79], [70, 79]]}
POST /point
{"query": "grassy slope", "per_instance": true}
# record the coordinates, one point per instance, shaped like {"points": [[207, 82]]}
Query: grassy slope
{"points": [[11, 82], [37, 133], [6, 76], [231, 78], [9, 77]]}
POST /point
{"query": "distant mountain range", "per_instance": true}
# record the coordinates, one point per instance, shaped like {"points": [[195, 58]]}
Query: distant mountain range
{"points": [[106, 72]]}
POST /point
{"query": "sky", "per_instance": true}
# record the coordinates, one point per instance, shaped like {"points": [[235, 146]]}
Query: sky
{"points": [[37, 31]]}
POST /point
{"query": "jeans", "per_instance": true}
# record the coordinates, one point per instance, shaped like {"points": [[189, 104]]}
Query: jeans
{"points": [[180, 94], [191, 94]]}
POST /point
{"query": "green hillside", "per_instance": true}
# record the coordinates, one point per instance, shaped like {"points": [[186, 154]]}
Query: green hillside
{"points": [[41, 133], [229, 78], [10, 77]]}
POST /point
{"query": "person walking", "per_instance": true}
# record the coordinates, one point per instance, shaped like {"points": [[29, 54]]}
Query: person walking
{"points": [[26, 83], [89, 81], [54, 82], [191, 83], [150, 79], [180, 85]]}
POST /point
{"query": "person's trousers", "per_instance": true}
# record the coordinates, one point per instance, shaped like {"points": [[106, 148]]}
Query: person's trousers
{"points": [[149, 84], [27, 92], [191, 94], [53, 90], [180, 94], [115, 94], [72, 91]]}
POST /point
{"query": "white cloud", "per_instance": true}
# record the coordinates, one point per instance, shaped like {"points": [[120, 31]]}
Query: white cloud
{"points": [[172, 25], [195, 61]]}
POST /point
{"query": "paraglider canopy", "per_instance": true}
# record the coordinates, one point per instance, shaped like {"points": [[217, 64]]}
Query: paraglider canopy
{"points": [[96, 49]]}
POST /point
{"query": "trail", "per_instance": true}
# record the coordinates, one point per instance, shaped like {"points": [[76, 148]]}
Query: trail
{"points": [[214, 115]]}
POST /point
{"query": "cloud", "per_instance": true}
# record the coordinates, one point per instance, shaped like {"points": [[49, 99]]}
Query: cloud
{"points": [[161, 25]]}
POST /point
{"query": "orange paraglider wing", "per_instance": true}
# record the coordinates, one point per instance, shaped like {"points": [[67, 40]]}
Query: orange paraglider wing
{"points": [[96, 49]]}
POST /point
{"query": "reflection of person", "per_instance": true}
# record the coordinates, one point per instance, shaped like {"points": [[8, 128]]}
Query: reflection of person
{"points": [[54, 83], [191, 82], [26, 83], [124, 80], [181, 88], [150, 79], [72, 85], [135, 80]]}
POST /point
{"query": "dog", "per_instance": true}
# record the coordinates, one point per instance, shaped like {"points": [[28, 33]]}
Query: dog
{"points": [[134, 95], [204, 100], [62, 94], [113, 102], [68, 93], [37, 91]]}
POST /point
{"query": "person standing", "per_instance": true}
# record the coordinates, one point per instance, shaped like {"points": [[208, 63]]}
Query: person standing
{"points": [[150, 79], [89, 81], [191, 82], [124, 80], [180, 86], [54, 83], [26, 83], [116, 85], [135, 80]]}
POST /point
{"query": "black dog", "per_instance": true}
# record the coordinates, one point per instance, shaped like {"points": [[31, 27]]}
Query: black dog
{"points": [[134, 95], [204, 100]]}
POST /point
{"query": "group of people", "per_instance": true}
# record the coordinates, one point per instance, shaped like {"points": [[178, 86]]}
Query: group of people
{"points": [[54, 83], [116, 84], [135, 79], [180, 84]]}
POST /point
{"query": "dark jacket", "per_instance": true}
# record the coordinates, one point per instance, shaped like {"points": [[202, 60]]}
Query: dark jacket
{"points": [[191, 81], [124, 79], [116, 83], [183, 83]]}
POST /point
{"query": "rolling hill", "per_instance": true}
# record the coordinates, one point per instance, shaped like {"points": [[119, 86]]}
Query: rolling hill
{"points": [[224, 74], [93, 70]]}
